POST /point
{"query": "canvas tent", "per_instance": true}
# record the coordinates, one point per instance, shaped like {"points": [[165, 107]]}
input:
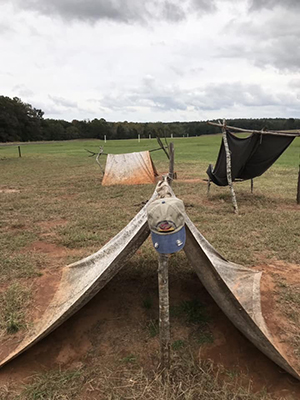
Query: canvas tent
{"points": [[236, 289], [129, 169]]}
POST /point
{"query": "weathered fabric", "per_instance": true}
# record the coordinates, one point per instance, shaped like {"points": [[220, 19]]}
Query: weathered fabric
{"points": [[129, 169], [250, 157]]}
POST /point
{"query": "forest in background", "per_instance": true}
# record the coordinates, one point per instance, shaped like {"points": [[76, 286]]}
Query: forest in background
{"points": [[20, 122]]}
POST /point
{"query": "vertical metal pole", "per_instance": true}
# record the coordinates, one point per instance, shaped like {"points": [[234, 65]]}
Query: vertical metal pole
{"points": [[164, 315], [19, 150]]}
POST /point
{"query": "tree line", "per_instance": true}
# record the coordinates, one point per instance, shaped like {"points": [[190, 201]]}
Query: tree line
{"points": [[20, 122]]}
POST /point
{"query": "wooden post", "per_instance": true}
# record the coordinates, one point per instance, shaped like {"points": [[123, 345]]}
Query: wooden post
{"points": [[298, 189], [164, 315], [251, 185], [19, 150], [228, 169], [171, 164]]}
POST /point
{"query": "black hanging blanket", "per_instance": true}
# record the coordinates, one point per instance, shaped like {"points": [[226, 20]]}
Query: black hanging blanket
{"points": [[250, 157]]}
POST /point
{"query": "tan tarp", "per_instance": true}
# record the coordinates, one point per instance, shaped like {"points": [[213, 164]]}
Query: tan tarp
{"points": [[236, 289], [129, 169]]}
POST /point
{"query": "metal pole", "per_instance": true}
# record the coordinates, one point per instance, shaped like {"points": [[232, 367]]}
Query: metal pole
{"points": [[164, 315], [19, 150]]}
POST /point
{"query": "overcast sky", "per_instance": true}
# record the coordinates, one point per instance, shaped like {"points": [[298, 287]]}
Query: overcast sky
{"points": [[152, 60]]}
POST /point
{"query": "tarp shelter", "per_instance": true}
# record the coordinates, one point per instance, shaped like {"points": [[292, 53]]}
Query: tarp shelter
{"points": [[250, 156], [129, 169], [236, 289]]}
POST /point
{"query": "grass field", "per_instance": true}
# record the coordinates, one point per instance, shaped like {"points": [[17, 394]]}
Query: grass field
{"points": [[54, 211]]}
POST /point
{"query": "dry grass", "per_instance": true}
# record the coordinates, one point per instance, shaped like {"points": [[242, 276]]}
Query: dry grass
{"points": [[186, 380]]}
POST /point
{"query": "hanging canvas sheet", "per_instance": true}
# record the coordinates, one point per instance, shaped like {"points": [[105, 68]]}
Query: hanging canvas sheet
{"points": [[129, 169], [250, 157]]}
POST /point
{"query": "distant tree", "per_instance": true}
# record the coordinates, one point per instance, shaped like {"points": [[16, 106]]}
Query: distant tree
{"points": [[19, 121]]}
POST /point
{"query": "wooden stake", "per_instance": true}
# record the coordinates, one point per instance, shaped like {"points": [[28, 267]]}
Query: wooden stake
{"points": [[19, 150], [208, 186], [228, 169], [251, 185], [171, 164], [164, 317]]}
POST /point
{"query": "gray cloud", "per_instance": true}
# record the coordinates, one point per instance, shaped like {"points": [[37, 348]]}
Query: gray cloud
{"points": [[60, 101], [271, 42], [294, 83], [212, 97], [5, 28], [23, 91], [270, 4], [127, 11]]}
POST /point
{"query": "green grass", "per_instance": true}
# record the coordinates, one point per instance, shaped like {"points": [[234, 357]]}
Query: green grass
{"points": [[289, 299], [52, 385], [12, 306], [148, 303], [178, 344], [131, 359], [193, 312], [153, 328]]}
